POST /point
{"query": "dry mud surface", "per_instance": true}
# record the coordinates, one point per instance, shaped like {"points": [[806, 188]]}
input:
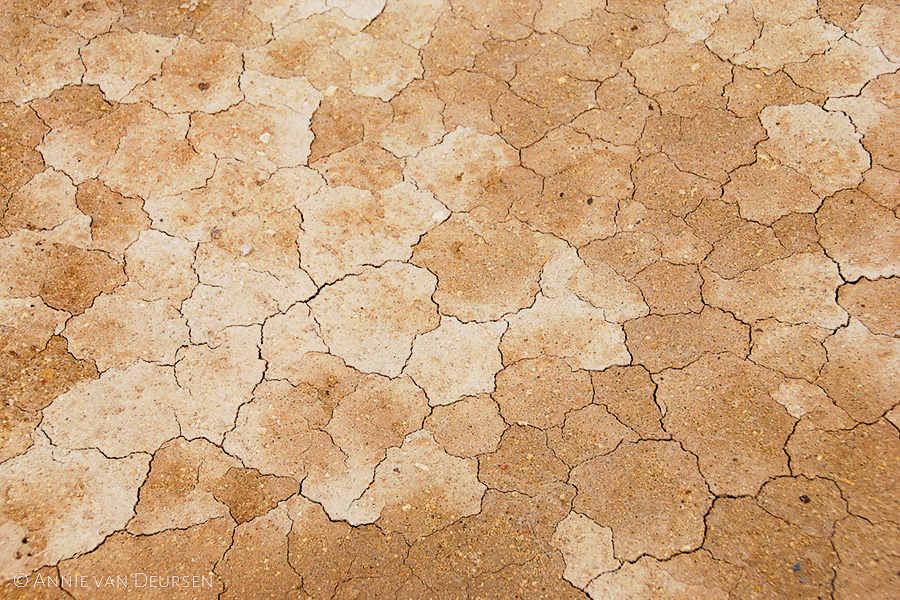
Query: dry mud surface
{"points": [[450, 299]]}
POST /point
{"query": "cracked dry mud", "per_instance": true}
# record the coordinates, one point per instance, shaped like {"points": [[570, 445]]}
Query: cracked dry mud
{"points": [[449, 299]]}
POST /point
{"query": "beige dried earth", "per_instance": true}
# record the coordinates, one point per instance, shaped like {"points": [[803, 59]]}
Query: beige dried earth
{"points": [[449, 299]]}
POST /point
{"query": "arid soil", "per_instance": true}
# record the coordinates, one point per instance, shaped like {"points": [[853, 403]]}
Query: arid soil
{"points": [[449, 299]]}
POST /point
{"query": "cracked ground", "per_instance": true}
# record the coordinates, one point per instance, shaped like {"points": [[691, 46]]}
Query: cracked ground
{"points": [[449, 299]]}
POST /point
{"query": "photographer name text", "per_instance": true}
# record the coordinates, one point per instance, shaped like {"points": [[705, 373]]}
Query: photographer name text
{"points": [[130, 580]]}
